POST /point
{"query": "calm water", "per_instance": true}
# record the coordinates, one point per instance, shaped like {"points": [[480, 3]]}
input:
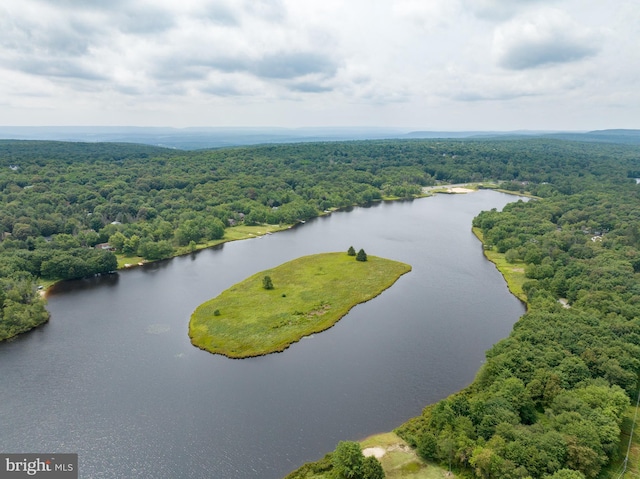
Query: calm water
{"points": [[114, 377]]}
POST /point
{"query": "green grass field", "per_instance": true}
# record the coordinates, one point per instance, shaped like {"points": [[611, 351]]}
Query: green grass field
{"points": [[128, 261], [310, 295], [241, 232]]}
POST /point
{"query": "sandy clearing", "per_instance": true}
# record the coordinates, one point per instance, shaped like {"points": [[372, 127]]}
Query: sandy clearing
{"points": [[458, 189], [376, 452]]}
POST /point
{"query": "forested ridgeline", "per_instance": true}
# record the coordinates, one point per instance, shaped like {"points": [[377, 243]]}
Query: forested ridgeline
{"points": [[59, 200]]}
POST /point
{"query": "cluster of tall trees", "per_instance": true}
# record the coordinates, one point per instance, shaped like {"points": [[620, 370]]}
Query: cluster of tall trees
{"points": [[23, 263], [360, 255], [21, 307], [346, 462]]}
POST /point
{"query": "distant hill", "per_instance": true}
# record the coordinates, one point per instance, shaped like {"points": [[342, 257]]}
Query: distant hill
{"points": [[450, 134], [477, 134], [600, 136], [219, 137], [607, 136], [196, 138], [12, 151]]}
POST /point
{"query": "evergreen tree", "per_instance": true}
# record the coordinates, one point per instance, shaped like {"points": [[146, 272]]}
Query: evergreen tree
{"points": [[351, 251], [267, 283], [361, 256]]}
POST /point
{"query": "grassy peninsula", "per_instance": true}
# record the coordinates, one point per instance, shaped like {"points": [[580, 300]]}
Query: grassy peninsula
{"points": [[309, 294]]}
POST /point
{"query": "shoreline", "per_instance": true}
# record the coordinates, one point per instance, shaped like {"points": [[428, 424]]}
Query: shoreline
{"points": [[513, 275], [239, 322], [427, 191], [371, 442]]}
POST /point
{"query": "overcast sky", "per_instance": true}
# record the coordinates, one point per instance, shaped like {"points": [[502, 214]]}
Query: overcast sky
{"points": [[420, 64]]}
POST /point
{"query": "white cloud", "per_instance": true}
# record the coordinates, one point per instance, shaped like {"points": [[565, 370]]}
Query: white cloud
{"points": [[138, 48], [368, 61], [501, 9], [545, 37], [430, 15]]}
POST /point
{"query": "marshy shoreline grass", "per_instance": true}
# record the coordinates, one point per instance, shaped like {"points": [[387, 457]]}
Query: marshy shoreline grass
{"points": [[310, 294], [513, 274]]}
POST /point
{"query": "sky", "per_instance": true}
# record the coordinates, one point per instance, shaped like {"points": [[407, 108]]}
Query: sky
{"points": [[443, 65]]}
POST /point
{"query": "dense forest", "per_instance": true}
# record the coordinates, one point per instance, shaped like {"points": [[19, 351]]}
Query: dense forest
{"points": [[550, 398]]}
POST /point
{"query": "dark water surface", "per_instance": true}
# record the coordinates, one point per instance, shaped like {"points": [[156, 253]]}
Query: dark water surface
{"points": [[114, 377]]}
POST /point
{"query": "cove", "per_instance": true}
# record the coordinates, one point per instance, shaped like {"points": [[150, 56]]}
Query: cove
{"points": [[113, 376]]}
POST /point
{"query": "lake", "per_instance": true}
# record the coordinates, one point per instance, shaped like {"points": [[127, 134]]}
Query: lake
{"points": [[114, 377]]}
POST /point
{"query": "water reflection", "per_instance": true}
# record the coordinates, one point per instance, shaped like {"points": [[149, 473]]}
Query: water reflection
{"points": [[84, 284]]}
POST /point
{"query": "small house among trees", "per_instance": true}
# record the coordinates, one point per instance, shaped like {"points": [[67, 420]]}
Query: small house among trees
{"points": [[105, 246]]}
